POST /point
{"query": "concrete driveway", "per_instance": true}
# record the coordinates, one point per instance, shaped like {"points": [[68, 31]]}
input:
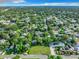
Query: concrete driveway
{"points": [[52, 49]]}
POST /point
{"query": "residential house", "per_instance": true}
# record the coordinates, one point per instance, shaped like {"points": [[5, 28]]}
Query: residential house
{"points": [[57, 44]]}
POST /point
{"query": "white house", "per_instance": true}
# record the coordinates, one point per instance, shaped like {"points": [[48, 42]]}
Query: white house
{"points": [[77, 35], [0, 52], [2, 41], [57, 44], [77, 47]]}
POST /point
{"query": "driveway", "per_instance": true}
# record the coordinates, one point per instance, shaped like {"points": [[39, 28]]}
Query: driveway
{"points": [[52, 50]]}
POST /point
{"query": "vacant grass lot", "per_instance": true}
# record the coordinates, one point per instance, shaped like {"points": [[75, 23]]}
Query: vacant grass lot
{"points": [[30, 58], [39, 50]]}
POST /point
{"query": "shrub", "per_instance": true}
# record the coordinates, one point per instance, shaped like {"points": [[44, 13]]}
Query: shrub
{"points": [[58, 57], [51, 57]]}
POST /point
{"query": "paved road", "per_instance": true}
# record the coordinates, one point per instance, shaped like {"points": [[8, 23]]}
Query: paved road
{"points": [[25, 56], [71, 57], [35, 56]]}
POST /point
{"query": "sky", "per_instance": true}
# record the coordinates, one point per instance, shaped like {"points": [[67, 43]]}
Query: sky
{"points": [[39, 2]]}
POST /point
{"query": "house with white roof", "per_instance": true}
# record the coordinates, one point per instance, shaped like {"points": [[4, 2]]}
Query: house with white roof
{"points": [[57, 44], [77, 45]]}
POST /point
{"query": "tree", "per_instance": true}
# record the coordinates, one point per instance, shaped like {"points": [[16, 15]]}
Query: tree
{"points": [[65, 37], [58, 57], [51, 57], [16, 46], [29, 38]]}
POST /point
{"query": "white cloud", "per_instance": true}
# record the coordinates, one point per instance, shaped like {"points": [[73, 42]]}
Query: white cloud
{"points": [[18, 1]]}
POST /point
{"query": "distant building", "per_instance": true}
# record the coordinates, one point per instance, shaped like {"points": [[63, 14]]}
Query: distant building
{"points": [[2, 41], [77, 35], [34, 42], [57, 44], [73, 21], [0, 52], [77, 47]]}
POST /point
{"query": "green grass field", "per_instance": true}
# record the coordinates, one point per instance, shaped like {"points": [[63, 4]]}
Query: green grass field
{"points": [[30, 58], [39, 50]]}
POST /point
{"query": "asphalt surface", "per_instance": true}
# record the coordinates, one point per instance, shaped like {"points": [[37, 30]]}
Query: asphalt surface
{"points": [[71, 57], [24, 56]]}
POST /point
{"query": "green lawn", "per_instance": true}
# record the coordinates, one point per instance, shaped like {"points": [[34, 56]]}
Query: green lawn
{"points": [[30, 58], [1, 58], [39, 50]]}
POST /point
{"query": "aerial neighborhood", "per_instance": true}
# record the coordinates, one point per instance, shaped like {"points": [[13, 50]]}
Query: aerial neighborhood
{"points": [[39, 33]]}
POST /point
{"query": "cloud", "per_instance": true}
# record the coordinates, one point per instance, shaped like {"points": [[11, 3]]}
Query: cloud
{"points": [[12, 1], [18, 1]]}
